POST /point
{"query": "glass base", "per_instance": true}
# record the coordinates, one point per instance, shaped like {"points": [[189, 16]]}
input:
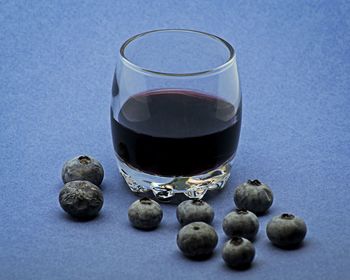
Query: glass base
{"points": [[164, 188]]}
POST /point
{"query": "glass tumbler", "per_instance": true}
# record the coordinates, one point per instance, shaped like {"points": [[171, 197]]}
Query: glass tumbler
{"points": [[175, 112]]}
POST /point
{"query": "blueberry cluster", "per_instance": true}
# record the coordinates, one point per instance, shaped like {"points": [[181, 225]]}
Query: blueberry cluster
{"points": [[81, 196], [285, 230], [198, 239]]}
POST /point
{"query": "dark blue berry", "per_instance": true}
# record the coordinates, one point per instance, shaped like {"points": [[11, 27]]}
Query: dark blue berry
{"points": [[194, 211], [145, 214], [286, 230], [238, 252], [197, 239], [253, 196], [241, 223], [83, 168], [81, 199]]}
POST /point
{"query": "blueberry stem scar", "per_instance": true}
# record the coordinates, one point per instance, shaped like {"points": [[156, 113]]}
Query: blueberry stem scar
{"points": [[197, 201], [254, 182], [84, 159], [241, 211], [236, 240], [145, 200], [287, 216]]}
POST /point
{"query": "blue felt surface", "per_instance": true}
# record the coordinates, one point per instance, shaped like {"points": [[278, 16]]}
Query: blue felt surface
{"points": [[56, 65]]}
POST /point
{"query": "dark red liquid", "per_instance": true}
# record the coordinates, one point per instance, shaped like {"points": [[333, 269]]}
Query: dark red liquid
{"points": [[175, 132]]}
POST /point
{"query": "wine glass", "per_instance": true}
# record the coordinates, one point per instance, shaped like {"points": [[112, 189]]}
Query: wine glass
{"points": [[176, 112]]}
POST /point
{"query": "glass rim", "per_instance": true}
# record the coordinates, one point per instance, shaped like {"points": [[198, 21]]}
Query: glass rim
{"points": [[136, 67]]}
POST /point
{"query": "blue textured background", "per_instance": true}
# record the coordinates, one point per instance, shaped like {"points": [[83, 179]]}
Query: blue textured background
{"points": [[57, 60]]}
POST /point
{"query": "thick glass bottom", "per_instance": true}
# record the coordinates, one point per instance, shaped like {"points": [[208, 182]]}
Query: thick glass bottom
{"points": [[164, 188]]}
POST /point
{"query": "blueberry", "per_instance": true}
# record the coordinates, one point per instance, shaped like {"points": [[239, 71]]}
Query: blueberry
{"points": [[286, 230], [197, 239], [196, 210], [81, 199], [238, 252], [241, 223], [145, 214], [253, 196], [83, 168]]}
